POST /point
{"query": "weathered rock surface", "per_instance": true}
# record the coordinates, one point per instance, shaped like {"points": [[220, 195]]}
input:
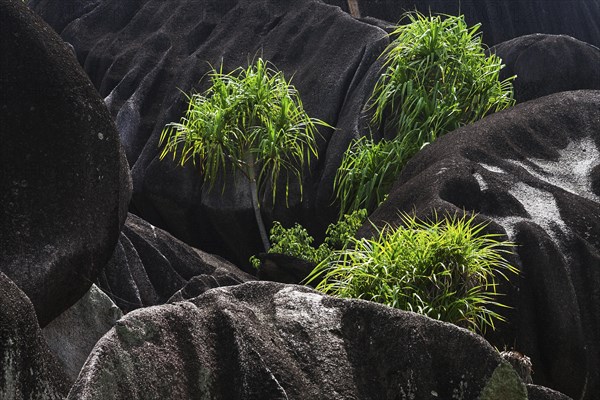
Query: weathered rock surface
{"points": [[201, 283], [534, 171], [535, 392], [283, 268], [149, 266], [501, 19], [72, 335], [65, 184], [28, 370], [141, 54], [546, 64], [263, 340], [141, 59]]}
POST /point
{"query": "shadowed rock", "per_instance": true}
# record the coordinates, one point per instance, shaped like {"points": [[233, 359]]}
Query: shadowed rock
{"points": [[546, 64], [65, 184], [283, 268], [140, 55], [72, 335], [533, 171], [535, 392], [264, 340], [27, 370], [501, 20], [149, 266]]}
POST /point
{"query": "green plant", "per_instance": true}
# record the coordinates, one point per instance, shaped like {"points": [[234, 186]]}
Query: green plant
{"points": [[297, 242], [250, 120], [445, 269], [339, 234], [436, 77]]}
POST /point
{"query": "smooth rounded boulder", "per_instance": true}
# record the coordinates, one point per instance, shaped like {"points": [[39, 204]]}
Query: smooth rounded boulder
{"points": [[72, 335], [28, 369], [501, 20], [265, 340], [142, 55], [149, 266], [533, 172], [65, 183], [547, 64]]}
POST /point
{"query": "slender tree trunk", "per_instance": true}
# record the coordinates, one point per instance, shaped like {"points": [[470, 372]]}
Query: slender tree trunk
{"points": [[256, 204], [353, 7]]}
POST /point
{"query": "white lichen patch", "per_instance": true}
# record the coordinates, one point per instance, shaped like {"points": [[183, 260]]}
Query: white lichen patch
{"points": [[491, 168], [571, 171], [480, 181], [542, 209], [306, 309]]}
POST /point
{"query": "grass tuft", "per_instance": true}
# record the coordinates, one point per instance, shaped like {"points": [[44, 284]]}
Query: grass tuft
{"points": [[436, 78], [446, 269]]}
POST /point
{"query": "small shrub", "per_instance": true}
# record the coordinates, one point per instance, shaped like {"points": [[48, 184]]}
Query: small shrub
{"points": [[436, 78], [445, 269], [340, 233], [297, 242]]}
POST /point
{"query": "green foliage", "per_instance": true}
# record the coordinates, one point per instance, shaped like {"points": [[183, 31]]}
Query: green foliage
{"points": [[340, 233], [249, 118], [436, 78], [252, 120], [445, 269], [367, 172], [297, 242]]}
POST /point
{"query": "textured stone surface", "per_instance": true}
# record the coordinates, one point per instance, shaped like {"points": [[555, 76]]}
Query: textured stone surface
{"points": [[534, 171], [28, 370], [64, 182], [501, 19], [535, 392], [263, 340], [149, 266], [140, 55], [72, 335], [546, 64]]}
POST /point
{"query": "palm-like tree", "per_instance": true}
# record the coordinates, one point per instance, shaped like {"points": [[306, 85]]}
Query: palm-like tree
{"points": [[252, 120]]}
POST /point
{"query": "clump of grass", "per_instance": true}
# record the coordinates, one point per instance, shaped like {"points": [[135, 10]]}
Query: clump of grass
{"points": [[446, 269], [436, 77]]}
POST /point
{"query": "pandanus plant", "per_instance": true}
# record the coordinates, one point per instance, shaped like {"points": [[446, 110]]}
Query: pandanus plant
{"points": [[250, 121]]}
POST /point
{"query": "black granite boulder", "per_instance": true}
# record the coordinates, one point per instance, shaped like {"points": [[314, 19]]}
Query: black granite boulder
{"points": [[64, 183], [264, 340], [546, 64], [501, 20], [141, 55], [532, 171], [149, 266], [72, 335], [28, 369]]}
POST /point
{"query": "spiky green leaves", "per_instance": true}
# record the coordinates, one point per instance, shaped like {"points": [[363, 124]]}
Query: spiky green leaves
{"points": [[446, 269], [252, 119], [436, 78]]}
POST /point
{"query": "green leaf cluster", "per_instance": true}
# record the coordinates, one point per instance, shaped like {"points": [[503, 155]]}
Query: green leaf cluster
{"points": [[297, 242], [252, 119], [446, 269], [436, 77]]}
